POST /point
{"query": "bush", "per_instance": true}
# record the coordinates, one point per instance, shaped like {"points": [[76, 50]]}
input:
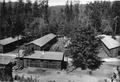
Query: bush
{"points": [[27, 79]]}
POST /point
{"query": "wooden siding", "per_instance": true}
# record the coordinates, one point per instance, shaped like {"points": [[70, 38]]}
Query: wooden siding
{"points": [[1, 48], [111, 52], [106, 50], [36, 47], [42, 63], [30, 46], [11, 46], [114, 52], [45, 47]]}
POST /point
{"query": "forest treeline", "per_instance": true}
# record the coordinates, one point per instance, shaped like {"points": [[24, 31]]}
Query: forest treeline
{"points": [[21, 18], [38, 18]]}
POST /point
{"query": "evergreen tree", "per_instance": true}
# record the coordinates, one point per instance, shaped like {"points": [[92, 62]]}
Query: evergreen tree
{"points": [[116, 17], [10, 9], [76, 10], [10, 13], [84, 49], [41, 8], [115, 8], [20, 7], [28, 7], [3, 10], [67, 10], [71, 14], [94, 15], [19, 26], [36, 9], [15, 8], [97, 11], [46, 13], [3, 19]]}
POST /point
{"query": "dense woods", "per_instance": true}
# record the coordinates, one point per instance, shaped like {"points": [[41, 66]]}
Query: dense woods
{"points": [[37, 19], [21, 18], [79, 22]]}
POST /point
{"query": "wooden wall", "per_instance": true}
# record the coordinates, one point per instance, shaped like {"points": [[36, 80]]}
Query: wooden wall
{"points": [[1, 48], [42, 63], [111, 52]]}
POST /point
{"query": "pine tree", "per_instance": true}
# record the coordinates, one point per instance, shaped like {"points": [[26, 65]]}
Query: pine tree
{"points": [[20, 7], [94, 12], [3, 10], [115, 8], [15, 8], [116, 17], [84, 49], [28, 7], [46, 15], [3, 19], [67, 11], [76, 10], [36, 9], [71, 14], [10, 13], [10, 9]]}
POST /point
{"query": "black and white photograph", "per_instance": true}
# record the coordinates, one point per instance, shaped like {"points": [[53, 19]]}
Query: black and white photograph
{"points": [[59, 41]]}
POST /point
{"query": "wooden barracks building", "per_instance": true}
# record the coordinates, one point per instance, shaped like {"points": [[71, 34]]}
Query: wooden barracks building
{"points": [[9, 44], [43, 59], [110, 45], [43, 43]]}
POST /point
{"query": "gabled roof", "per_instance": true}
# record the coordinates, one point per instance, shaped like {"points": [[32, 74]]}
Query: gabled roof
{"points": [[45, 55], [110, 42], [8, 40], [43, 40]]}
